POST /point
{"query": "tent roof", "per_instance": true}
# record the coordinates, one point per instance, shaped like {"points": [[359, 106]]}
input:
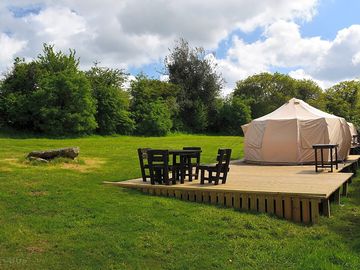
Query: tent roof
{"points": [[295, 109]]}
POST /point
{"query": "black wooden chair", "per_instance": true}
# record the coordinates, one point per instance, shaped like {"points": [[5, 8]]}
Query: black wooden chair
{"points": [[218, 171], [144, 165], [191, 162], [159, 167]]}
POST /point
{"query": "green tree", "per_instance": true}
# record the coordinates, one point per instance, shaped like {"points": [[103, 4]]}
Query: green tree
{"points": [[156, 121], [343, 100], [17, 88], [233, 113], [149, 96], [265, 92], [49, 95], [199, 83], [311, 93], [112, 102]]}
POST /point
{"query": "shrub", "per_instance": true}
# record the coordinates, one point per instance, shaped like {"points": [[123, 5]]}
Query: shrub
{"points": [[156, 121]]}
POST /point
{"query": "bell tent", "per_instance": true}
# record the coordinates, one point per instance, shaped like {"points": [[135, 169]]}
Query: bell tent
{"points": [[286, 135], [353, 130]]}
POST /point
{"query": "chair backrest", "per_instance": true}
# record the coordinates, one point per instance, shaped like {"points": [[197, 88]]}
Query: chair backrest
{"points": [[158, 163], [158, 157], [143, 161], [223, 161], [195, 154]]}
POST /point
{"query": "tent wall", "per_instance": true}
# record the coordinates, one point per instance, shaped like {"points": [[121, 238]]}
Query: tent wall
{"points": [[289, 139]]}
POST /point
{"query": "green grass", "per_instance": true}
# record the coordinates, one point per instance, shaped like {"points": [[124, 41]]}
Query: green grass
{"points": [[61, 216]]}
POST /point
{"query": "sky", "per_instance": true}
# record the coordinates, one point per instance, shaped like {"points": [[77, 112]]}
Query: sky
{"points": [[311, 39]]}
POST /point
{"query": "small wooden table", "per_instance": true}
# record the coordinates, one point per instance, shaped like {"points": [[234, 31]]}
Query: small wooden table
{"points": [[322, 147], [179, 167]]}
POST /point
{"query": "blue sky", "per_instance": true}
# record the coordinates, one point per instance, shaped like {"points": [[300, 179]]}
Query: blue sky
{"points": [[310, 39]]}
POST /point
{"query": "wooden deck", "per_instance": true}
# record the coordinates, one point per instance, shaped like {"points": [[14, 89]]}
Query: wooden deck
{"points": [[295, 193]]}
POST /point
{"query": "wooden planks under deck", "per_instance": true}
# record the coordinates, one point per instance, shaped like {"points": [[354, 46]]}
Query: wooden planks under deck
{"points": [[295, 193]]}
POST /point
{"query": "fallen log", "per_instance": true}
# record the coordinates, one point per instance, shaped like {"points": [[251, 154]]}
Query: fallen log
{"points": [[71, 152]]}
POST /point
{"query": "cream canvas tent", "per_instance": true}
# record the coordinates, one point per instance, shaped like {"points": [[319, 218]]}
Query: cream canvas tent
{"points": [[286, 135], [353, 130]]}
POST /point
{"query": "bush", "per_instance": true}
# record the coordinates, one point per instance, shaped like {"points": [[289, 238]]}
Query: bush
{"points": [[49, 95], [233, 113], [112, 102], [156, 121], [64, 104], [149, 97]]}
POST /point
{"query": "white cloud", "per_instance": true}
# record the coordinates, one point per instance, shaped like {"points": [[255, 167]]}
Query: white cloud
{"points": [[356, 59], [131, 33], [58, 25], [9, 48], [123, 33], [283, 47]]}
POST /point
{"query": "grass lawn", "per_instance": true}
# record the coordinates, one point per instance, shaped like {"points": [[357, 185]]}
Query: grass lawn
{"points": [[61, 216]]}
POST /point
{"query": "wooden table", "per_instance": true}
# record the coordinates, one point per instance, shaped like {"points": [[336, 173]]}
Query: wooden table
{"points": [[322, 147], [179, 167]]}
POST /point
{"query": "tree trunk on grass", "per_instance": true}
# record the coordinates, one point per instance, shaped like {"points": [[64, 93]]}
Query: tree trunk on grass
{"points": [[71, 152]]}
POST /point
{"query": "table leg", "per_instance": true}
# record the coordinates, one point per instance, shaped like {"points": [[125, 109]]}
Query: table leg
{"points": [[322, 158], [331, 159], [336, 158], [182, 170], [316, 165]]}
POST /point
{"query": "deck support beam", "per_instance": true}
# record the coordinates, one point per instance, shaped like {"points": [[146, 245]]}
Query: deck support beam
{"points": [[336, 195], [326, 207], [345, 189]]}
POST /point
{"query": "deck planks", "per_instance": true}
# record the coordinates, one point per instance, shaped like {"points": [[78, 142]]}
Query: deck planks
{"points": [[292, 192]]}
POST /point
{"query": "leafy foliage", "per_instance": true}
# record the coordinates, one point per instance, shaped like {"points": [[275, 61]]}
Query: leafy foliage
{"points": [[64, 104], [112, 102], [265, 92], [199, 83], [16, 101], [156, 121], [49, 95], [343, 99], [149, 98], [233, 113]]}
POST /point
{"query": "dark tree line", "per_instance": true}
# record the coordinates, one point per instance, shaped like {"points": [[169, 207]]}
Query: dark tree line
{"points": [[51, 95]]}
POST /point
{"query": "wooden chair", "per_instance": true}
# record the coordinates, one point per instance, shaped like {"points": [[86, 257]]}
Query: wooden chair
{"points": [[218, 171], [159, 167], [191, 162], [144, 166]]}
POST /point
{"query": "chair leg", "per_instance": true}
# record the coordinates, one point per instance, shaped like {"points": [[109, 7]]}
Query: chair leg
{"points": [[190, 173], [197, 172], [202, 178]]}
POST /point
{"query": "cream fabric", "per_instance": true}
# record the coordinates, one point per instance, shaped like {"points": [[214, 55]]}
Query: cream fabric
{"points": [[286, 135], [352, 127]]}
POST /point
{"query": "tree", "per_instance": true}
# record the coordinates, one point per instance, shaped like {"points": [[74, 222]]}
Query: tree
{"points": [[343, 100], [64, 104], [233, 113], [199, 83], [265, 92], [311, 93], [156, 121], [49, 95], [151, 96], [16, 102], [112, 102]]}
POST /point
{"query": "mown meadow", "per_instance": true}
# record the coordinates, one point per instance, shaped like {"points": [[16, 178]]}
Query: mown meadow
{"points": [[61, 216]]}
